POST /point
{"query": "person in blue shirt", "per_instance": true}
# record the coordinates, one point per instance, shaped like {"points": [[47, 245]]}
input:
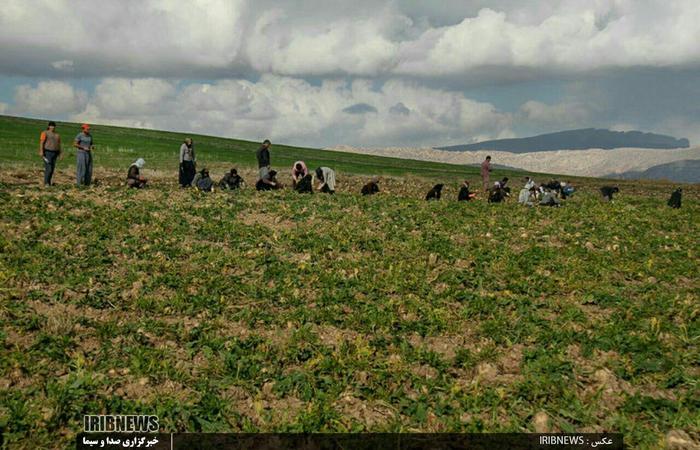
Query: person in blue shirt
{"points": [[83, 142]]}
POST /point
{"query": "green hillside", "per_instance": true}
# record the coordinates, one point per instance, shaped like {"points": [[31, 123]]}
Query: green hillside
{"points": [[274, 311], [118, 147]]}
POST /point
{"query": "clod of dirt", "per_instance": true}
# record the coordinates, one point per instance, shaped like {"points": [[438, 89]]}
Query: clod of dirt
{"points": [[679, 440], [541, 422], [486, 371]]}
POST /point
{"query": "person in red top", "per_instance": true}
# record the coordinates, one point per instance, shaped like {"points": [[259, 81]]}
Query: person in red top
{"points": [[486, 172], [49, 150]]}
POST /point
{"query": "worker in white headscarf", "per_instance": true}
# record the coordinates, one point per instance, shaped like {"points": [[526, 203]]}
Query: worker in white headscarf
{"points": [[134, 178], [326, 178]]}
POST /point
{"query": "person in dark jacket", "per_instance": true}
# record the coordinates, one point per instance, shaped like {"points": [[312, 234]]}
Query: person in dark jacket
{"points": [[231, 181], [675, 200], [464, 194], [263, 157], [435, 193], [370, 188], [305, 185], [133, 177], [188, 163], [608, 191]]}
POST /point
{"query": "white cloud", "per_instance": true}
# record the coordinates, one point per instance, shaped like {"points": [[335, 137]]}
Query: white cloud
{"points": [[49, 97], [292, 110], [578, 35], [365, 38]]}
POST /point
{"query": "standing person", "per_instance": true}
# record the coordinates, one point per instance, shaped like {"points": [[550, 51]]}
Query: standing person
{"points": [[263, 156], [188, 163], [326, 178], [83, 142], [133, 177], [49, 150], [486, 172], [299, 171]]}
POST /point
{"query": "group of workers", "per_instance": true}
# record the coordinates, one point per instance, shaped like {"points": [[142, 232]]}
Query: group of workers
{"points": [[50, 151], [548, 194]]}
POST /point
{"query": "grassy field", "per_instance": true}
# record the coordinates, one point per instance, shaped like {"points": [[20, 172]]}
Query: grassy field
{"points": [[282, 312]]}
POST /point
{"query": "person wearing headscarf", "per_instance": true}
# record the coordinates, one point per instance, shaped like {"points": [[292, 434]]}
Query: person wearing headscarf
{"points": [[464, 194], [299, 171], [203, 181], [188, 163], [527, 193], [231, 180], [133, 177], [326, 178], [83, 142]]}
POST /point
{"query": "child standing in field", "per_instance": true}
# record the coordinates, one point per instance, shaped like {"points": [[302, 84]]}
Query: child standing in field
{"points": [[50, 151], [83, 142]]}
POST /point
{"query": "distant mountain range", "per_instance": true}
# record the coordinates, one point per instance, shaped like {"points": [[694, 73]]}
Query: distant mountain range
{"points": [[615, 163], [684, 171], [583, 139]]}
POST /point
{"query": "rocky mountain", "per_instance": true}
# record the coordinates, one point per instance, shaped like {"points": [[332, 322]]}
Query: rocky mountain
{"points": [[586, 138], [592, 163], [683, 171]]}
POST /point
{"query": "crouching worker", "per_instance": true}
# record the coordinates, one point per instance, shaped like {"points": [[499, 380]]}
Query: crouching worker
{"points": [[305, 185], [464, 194], [268, 182], [527, 195], [326, 178], [231, 181], [502, 185], [498, 194], [549, 198], [675, 200], [203, 182], [371, 188], [134, 178], [567, 190], [299, 171]]}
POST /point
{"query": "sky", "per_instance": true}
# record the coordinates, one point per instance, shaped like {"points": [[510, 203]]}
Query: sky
{"points": [[322, 73]]}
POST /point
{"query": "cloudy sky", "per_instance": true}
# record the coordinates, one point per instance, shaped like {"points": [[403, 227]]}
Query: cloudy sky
{"points": [[360, 72]]}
